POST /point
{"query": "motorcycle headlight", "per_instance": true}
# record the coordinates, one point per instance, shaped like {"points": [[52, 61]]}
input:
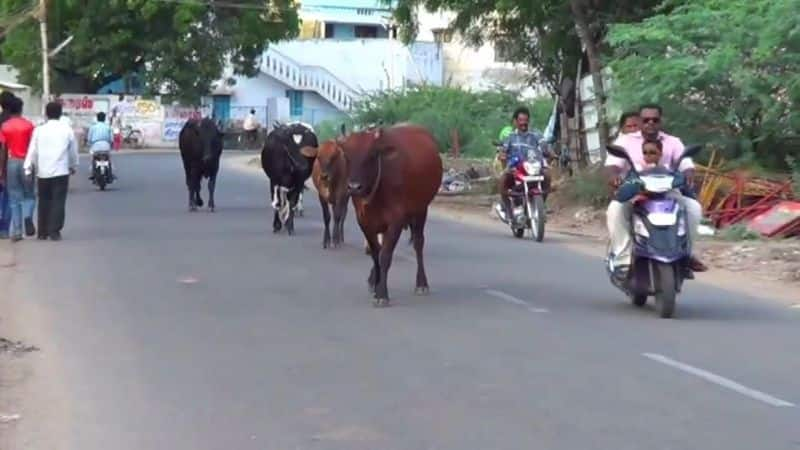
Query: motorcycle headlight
{"points": [[640, 228], [533, 168]]}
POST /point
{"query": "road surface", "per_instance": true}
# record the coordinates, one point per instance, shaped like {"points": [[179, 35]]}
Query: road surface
{"points": [[161, 329]]}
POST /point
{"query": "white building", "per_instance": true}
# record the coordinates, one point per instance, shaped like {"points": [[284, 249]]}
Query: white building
{"points": [[348, 48], [9, 77]]}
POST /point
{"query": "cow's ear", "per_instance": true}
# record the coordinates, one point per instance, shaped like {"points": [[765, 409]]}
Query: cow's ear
{"points": [[309, 152], [377, 133]]}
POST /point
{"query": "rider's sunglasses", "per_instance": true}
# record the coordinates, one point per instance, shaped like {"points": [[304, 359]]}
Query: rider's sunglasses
{"points": [[651, 119], [650, 152]]}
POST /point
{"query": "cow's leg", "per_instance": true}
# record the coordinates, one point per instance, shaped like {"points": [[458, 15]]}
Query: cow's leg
{"points": [[410, 235], [390, 238], [418, 236], [374, 251], [300, 204], [326, 219], [212, 184], [339, 214], [275, 202], [193, 185], [292, 199]]}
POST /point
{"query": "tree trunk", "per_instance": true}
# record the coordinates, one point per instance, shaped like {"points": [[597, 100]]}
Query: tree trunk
{"points": [[595, 68]]}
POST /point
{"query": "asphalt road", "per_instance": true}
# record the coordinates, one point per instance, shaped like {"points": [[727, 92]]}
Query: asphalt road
{"points": [[162, 329]]}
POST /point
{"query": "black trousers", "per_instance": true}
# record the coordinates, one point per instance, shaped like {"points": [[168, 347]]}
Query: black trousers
{"points": [[52, 204]]}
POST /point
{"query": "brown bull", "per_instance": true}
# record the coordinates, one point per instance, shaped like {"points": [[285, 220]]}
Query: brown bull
{"points": [[394, 174], [330, 179]]}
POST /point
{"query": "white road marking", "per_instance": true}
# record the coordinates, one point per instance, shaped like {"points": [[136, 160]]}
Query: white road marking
{"points": [[796, 306], [719, 380], [511, 299]]}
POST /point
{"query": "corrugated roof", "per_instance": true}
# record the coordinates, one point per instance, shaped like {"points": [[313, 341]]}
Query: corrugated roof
{"points": [[10, 85]]}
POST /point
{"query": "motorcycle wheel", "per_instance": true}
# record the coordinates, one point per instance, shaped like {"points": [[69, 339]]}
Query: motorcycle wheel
{"points": [[537, 221], [100, 178], [666, 292]]}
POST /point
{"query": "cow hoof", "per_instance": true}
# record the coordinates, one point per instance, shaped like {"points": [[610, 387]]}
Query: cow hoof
{"points": [[380, 302], [192, 208], [422, 290], [371, 288], [212, 209]]}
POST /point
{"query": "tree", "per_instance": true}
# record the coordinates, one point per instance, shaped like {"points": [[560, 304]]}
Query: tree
{"points": [[550, 36], [180, 48], [726, 72]]}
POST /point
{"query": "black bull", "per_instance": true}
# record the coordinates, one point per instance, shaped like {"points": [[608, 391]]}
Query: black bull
{"points": [[287, 169], [200, 143]]}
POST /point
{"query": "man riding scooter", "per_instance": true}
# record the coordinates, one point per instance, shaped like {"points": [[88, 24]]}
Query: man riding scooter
{"points": [[618, 215], [100, 139], [521, 145]]}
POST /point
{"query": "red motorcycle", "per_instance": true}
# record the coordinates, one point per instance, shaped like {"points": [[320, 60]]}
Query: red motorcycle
{"points": [[527, 201]]}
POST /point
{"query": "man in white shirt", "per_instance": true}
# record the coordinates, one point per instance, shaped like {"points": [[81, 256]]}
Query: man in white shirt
{"points": [[250, 126], [53, 153]]}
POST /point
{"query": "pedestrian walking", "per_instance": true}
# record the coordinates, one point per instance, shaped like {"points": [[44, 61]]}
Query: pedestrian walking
{"points": [[6, 98], [16, 133], [53, 154]]}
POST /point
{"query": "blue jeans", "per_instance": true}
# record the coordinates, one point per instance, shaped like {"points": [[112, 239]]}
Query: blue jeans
{"points": [[21, 195]]}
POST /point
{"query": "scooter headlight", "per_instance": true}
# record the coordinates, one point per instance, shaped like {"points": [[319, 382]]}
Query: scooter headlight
{"points": [[640, 228]]}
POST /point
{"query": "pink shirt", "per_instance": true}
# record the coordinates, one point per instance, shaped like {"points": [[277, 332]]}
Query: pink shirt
{"points": [[632, 143]]}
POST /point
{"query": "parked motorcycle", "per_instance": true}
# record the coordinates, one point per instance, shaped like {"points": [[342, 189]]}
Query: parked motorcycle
{"points": [[527, 201], [102, 170], [132, 137], [661, 249]]}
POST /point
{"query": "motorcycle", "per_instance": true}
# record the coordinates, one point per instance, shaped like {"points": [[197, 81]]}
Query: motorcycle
{"points": [[661, 250], [132, 137], [102, 170], [527, 201]]}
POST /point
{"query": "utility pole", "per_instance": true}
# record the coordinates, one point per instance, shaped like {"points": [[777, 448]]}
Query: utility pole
{"points": [[45, 57]]}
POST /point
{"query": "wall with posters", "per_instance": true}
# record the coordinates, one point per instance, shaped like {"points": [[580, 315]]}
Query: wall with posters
{"points": [[159, 124]]}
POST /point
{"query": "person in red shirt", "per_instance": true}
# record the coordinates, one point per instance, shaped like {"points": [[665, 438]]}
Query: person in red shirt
{"points": [[15, 133]]}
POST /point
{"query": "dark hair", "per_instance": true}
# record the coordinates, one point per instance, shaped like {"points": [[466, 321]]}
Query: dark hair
{"points": [[519, 111], [53, 110], [101, 117], [14, 106], [625, 116], [655, 106], [5, 99], [657, 143]]}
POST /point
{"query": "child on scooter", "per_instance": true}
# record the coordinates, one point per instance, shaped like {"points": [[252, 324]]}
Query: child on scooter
{"points": [[652, 151]]}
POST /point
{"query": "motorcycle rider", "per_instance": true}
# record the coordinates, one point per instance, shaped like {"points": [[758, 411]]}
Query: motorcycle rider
{"points": [[618, 215], [100, 139], [521, 145]]}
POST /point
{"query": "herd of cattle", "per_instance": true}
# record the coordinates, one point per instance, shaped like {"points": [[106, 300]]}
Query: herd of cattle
{"points": [[390, 174]]}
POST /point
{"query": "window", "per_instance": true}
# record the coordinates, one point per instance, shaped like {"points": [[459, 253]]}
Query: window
{"points": [[442, 35], [502, 52], [328, 30], [364, 31], [295, 103]]}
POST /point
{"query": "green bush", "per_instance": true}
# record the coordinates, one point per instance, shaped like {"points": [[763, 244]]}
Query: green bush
{"points": [[588, 188], [477, 116]]}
